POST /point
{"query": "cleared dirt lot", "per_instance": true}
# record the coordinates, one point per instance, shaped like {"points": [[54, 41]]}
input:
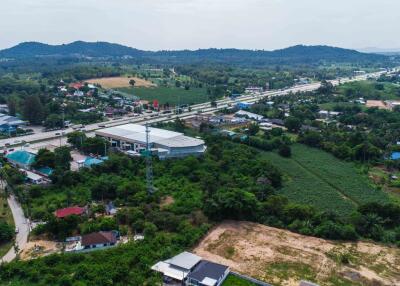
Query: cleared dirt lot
{"points": [[376, 103], [39, 248], [116, 82], [285, 258]]}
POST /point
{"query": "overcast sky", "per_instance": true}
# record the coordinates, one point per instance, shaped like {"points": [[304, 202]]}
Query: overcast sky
{"points": [[193, 24]]}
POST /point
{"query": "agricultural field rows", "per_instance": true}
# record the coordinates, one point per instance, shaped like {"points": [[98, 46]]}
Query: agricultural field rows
{"points": [[171, 95], [317, 178]]}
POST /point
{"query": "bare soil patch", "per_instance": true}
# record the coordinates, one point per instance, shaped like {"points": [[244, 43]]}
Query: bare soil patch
{"points": [[285, 258], [39, 248], [116, 82], [376, 103], [166, 201]]}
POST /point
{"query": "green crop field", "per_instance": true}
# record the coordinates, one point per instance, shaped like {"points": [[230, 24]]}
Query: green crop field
{"points": [[317, 178], [232, 280], [171, 95]]}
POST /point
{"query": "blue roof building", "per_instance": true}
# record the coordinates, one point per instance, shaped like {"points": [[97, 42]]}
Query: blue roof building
{"points": [[47, 171], [9, 123], [395, 156], [90, 161], [244, 105], [21, 158]]}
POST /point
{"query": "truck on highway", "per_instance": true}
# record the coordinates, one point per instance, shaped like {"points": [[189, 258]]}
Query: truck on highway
{"points": [[77, 126]]}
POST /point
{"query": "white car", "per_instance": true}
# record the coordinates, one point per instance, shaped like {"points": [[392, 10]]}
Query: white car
{"points": [[16, 230]]}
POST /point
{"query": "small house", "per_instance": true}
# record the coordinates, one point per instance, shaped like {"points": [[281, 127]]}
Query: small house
{"points": [[33, 178], [207, 273], [253, 116], [111, 209], [178, 267], [62, 213], [99, 240]]}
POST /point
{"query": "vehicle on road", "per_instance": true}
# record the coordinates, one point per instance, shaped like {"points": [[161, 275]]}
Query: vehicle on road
{"points": [[77, 126], [16, 230]]}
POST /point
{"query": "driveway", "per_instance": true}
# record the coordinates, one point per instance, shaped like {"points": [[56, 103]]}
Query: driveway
{"points": [[21, 222]]}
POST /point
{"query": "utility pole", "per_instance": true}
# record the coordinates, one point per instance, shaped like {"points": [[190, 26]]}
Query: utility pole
{"points": [[63, 123], [149, 166]]}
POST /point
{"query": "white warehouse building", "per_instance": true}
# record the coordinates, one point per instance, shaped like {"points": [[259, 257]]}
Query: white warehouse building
{"points": [[165, 143]]}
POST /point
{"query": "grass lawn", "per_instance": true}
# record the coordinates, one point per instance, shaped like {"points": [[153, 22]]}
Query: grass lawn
{"points": [[171, 95], [331, 105], [232, 280], [5, 215], [314, 177]]}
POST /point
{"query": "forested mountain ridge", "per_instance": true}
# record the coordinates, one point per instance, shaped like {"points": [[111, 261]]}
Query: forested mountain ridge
{"points": [[296, 54]]}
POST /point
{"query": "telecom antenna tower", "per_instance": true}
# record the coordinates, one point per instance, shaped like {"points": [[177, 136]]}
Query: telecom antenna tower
{"points": [[149, 163]]}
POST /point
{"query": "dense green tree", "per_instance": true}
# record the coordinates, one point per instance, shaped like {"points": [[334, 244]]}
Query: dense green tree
{"points": [[62, 158], [6, 232], [293, 124], [33, 109], [12, 103], [45, 158], [76, 139], [95, 145], [285, 150]]}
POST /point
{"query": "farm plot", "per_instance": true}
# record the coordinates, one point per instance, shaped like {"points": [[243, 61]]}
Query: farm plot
{"points": [[340, 174], [170, 95], [314, 177], [117, 82]]}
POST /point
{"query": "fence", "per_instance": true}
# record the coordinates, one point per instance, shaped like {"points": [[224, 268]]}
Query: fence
{"points": [[255, 281]]}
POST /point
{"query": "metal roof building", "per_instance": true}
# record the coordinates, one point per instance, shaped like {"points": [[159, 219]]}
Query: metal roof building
{"points": [[178, 267], [208, 274], [21, 158], [167, 144], [8, 122]]}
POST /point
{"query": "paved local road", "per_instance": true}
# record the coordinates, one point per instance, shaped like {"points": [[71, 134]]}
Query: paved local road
{"points": [[21, 222]]}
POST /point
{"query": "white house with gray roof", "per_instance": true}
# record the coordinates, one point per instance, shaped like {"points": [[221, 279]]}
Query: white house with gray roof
{"points": [[178, 267]]}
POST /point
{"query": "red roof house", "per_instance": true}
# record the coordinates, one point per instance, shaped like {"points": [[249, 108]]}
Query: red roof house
{"points": [[61, 213], [76, 85]]}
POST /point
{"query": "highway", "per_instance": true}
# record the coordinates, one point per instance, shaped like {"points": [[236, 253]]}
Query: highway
{"points": [[195, 109]]}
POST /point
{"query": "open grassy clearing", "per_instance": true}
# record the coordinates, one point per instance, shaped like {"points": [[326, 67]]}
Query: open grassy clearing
{"points": [[317, 178], [232, 280], [171, 95], [120, 81], [5, 215], [281, 257]]}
